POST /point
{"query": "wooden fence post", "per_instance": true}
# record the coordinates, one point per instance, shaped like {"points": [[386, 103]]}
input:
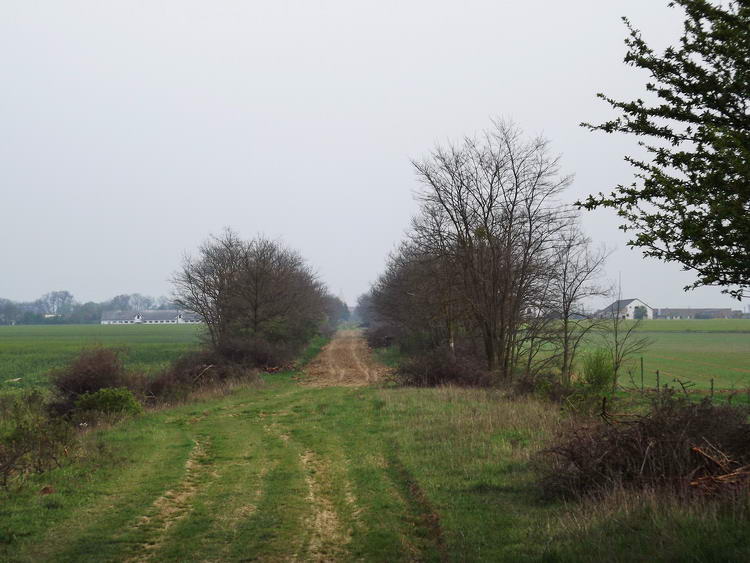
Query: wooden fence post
{"points": [[642, 388]]}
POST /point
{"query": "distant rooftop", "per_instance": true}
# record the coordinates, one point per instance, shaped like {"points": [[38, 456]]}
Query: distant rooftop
{"points": [[149, 315]]}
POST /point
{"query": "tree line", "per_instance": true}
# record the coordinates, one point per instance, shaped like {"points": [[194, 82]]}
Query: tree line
{"points": [[494, 265], [61, 307]]}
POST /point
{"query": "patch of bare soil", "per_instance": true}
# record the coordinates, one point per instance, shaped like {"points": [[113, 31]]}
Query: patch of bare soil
{"points": [[172, 506], [345, 361]]}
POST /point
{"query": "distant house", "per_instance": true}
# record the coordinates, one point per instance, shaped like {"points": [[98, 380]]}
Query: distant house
{"points": [[626, 309], [166, 316], [690, 313]]}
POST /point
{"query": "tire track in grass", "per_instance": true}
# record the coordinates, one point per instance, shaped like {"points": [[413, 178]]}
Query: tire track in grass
{"points": [[221, 507], [327, 526], [426, 518], [271, 528], [326, 536], [173, 505], [89, 534], [321, 537]]}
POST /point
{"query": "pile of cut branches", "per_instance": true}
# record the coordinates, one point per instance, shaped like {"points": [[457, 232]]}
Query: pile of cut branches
{"points": [[677, 444], [720, 474]]}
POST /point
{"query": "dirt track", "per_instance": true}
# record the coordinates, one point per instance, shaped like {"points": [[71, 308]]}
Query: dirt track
{"points": [[346, 360]]}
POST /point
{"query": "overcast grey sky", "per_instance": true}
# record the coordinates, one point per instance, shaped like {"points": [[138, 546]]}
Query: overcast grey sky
{"points": [[131, 130]]}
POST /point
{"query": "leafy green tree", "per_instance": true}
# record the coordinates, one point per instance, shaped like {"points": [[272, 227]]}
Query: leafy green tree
{"points": [[690, 202]]}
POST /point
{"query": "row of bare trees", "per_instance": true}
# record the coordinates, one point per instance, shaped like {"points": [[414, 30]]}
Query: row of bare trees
{"points": [[494, 264], [260, 300]]}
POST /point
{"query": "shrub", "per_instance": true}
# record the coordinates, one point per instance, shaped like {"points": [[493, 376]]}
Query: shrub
{"points": [[379, 336], [598, 374], [93, 369], [192, 371], [30, 441], [439, 367], [595, 380], [111, 401], [675, 443], [584, 396], [256, 351], [546, 385]]}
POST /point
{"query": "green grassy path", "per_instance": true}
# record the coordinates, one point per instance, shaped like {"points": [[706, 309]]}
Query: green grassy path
{"points": [[286, 471]]}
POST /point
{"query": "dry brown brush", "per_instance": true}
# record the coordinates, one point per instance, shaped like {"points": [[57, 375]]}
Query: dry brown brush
{"points": [[439, 367], [677, 445]]}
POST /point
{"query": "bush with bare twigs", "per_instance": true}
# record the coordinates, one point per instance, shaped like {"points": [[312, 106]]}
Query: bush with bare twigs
{"points": [[677, 445], [194, 371], [93, 369], [438, 367], [260, 300]]}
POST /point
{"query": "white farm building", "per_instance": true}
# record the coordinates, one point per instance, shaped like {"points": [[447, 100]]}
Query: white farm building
{"points": [[627, 309], [166, 316]]}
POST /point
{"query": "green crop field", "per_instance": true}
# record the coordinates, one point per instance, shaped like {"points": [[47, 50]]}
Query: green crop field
{"points": [[27, 353], [697, 325], [695, 351]]}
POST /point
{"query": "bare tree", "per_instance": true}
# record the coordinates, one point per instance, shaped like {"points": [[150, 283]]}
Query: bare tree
{"points": [[576, 271], [57, 302], [206, 285], [621, 338], [539, 329], [138, 302], [416, 295], [489, 208]]}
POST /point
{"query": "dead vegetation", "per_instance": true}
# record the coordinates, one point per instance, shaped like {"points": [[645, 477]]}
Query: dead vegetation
{"points": [[439, 367], [676, 445]]}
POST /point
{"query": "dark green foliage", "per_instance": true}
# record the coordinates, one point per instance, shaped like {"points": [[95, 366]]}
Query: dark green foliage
{"points": [[111, 401], [691, 200]]}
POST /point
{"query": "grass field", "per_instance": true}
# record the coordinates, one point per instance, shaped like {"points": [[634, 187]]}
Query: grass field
{"points": [[697, 351], [29, 352], [282, 471], [697, 325]]}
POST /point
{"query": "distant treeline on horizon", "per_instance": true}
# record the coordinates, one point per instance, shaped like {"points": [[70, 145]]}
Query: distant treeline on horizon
{"points": [[61, 307]]}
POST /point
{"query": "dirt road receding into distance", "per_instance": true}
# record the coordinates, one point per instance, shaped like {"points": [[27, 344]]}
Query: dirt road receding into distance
{"points": [[345, 361]]}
